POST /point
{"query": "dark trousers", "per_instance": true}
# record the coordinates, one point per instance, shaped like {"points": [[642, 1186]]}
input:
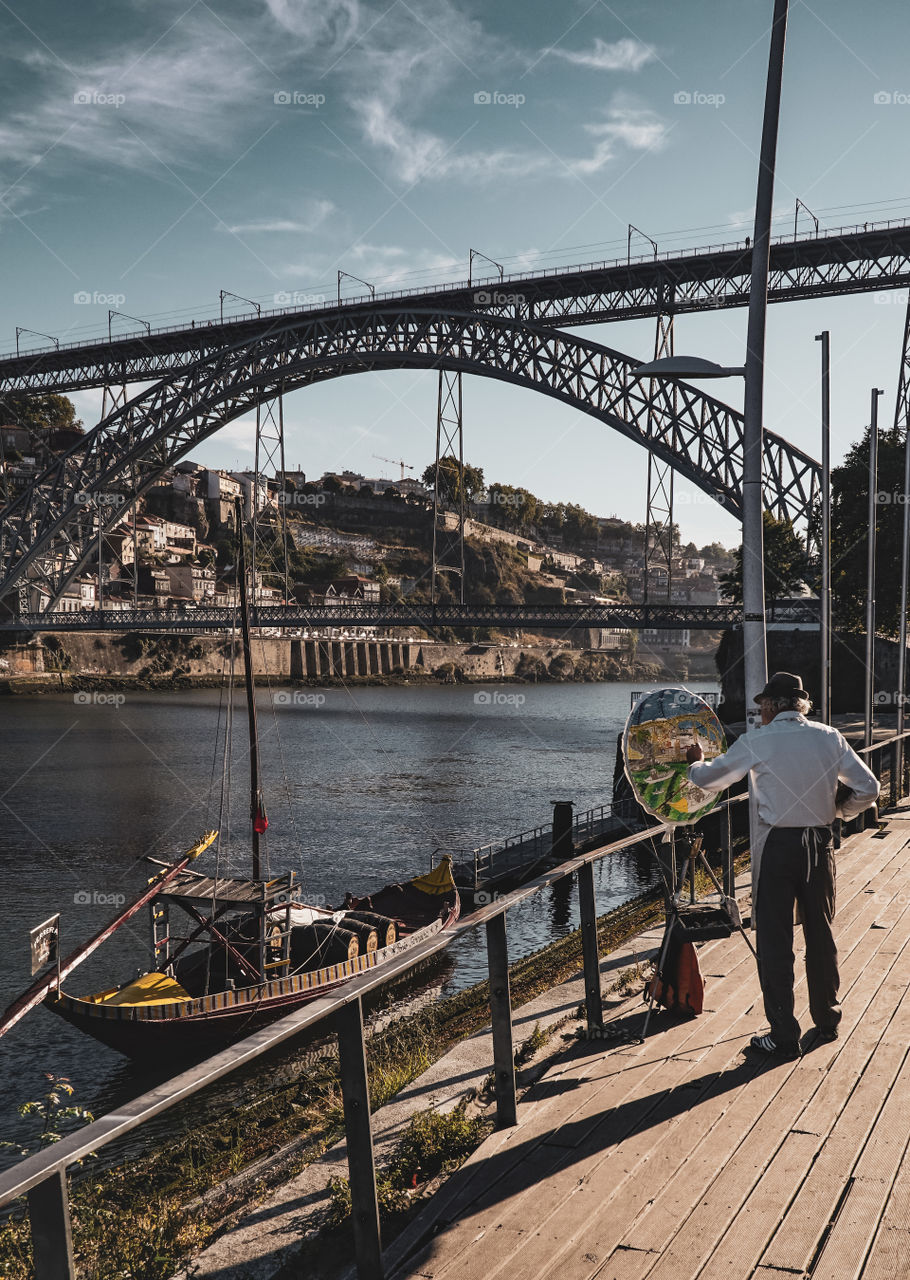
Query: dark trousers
{"points": [[797, 866]]}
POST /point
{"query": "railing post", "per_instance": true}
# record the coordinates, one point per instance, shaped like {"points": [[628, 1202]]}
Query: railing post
{"points": [[361, 1166], [562, 848], [52, 1236], [589, 951], [726, 844], [894, 787], [501, 1017]]}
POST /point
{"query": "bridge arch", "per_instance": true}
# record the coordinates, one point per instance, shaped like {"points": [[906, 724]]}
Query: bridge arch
{"points": [[48, 533]]}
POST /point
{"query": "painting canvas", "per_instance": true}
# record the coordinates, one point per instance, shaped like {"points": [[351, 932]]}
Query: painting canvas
{"points": [[660, 727]]}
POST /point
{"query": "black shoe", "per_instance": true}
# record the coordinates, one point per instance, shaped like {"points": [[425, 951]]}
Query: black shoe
{"points": [[826, 1035], [768, 1047]]}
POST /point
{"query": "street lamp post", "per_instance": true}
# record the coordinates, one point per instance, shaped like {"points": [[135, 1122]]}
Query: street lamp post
{"points": [[870, 569], [755, 660], [825, 601]]}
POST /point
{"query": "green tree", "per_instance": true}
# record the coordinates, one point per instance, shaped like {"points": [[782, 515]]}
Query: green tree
{"points": [[47, 412], [786, 563], [849, 534], [451, 481]]}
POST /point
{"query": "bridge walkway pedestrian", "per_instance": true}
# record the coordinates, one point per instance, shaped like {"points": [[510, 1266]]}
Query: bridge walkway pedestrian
{"points": [[684, 1158]]}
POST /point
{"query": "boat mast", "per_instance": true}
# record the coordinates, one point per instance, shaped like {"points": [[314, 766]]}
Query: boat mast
{"points": [[258, 819]]}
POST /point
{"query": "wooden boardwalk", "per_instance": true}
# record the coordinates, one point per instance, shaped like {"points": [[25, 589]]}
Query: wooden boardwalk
{"points": [[685, 1158]]}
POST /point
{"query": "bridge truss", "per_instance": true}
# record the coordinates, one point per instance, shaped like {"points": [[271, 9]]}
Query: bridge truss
{"points": [[47, 533], [354, 617], [207, 375]]}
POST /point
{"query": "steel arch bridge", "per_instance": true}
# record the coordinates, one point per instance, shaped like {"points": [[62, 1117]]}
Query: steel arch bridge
{"points": [[49, 532]]}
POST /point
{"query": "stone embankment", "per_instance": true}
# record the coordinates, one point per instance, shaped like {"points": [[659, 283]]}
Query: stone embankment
{"points": [[153, 660]]}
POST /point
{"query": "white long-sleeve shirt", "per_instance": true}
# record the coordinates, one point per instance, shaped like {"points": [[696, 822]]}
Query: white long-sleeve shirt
{"points": [[796, 765]]}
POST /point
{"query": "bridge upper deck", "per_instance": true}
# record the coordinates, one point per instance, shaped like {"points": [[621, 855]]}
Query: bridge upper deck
{"points": [[847, 260]]}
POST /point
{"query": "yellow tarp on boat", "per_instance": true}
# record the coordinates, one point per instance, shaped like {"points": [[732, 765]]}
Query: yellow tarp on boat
{"points": [[151, 988], [439, 880]]}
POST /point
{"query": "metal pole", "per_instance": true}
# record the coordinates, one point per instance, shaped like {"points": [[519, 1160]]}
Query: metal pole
{"points": [[588, 913], [825, 601], [501, 1016], [355, 1095], [901, 422], [52, 1236], [870, 569], [755, 661]]}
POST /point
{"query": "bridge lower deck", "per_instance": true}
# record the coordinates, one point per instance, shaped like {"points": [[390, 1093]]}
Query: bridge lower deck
{"points": [[684, 1157]]}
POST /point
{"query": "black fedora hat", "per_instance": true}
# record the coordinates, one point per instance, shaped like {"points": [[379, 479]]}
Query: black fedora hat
{"points": [[783, 684]]}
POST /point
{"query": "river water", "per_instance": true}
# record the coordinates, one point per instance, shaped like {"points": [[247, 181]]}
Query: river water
{"points": [[361, 786]]}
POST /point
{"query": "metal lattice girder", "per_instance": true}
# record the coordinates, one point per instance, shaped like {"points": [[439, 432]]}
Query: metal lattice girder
{"points": [[448, 544], [47, 532], [709, 617], [850, 260], [269, 526], [902, 403], [659, 509]]}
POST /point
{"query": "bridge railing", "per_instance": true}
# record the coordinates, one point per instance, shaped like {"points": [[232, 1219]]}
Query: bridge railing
{"points": [[42, 1178], [460, 286]]}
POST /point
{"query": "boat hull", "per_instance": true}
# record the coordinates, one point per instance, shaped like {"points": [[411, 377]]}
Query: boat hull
{"points": [[194, 1028]]}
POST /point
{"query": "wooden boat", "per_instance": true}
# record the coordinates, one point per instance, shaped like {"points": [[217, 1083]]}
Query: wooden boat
{"points": [[251, 950]]}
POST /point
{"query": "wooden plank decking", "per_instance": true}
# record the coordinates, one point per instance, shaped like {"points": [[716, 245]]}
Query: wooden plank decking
{"points": [[683, 1158]]}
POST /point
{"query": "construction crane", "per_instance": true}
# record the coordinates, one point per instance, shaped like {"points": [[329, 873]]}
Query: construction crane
{"points": [[396, 462]]}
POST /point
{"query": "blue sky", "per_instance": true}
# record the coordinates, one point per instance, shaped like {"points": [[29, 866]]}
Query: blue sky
{"points": [[149, 157]]}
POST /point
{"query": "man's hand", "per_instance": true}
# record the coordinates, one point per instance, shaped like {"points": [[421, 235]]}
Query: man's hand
{"points": [[694, 753]]}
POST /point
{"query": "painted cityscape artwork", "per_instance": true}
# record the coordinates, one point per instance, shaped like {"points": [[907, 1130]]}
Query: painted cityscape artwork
{"points": [[660, 727]]}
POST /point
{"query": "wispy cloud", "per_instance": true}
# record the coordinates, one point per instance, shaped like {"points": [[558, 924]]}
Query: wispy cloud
{"points": [[621, 55], [318, 23], [633, 128], [312, 217]]}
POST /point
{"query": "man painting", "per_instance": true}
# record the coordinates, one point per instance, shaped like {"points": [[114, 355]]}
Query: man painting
{"points": [[795, 766]]}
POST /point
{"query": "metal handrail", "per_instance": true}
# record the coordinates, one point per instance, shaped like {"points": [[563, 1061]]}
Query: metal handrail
{"points": [[28, 1173], [460, 286]]}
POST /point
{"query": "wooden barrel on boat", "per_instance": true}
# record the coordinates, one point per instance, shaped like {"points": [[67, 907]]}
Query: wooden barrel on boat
{"points": [[365, 934], [385, 928], [316, 945]]}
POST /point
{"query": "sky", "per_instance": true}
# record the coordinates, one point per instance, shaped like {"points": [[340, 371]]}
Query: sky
{"points": [[153, 154]]}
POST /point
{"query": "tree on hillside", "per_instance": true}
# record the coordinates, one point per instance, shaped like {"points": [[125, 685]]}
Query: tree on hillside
{"points": [[38, 413], [786, 563], [451, 481], [513, 508], [849, 532]]}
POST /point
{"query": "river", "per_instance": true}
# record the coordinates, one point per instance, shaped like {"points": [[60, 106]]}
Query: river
{"points": [[361, 786]]}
